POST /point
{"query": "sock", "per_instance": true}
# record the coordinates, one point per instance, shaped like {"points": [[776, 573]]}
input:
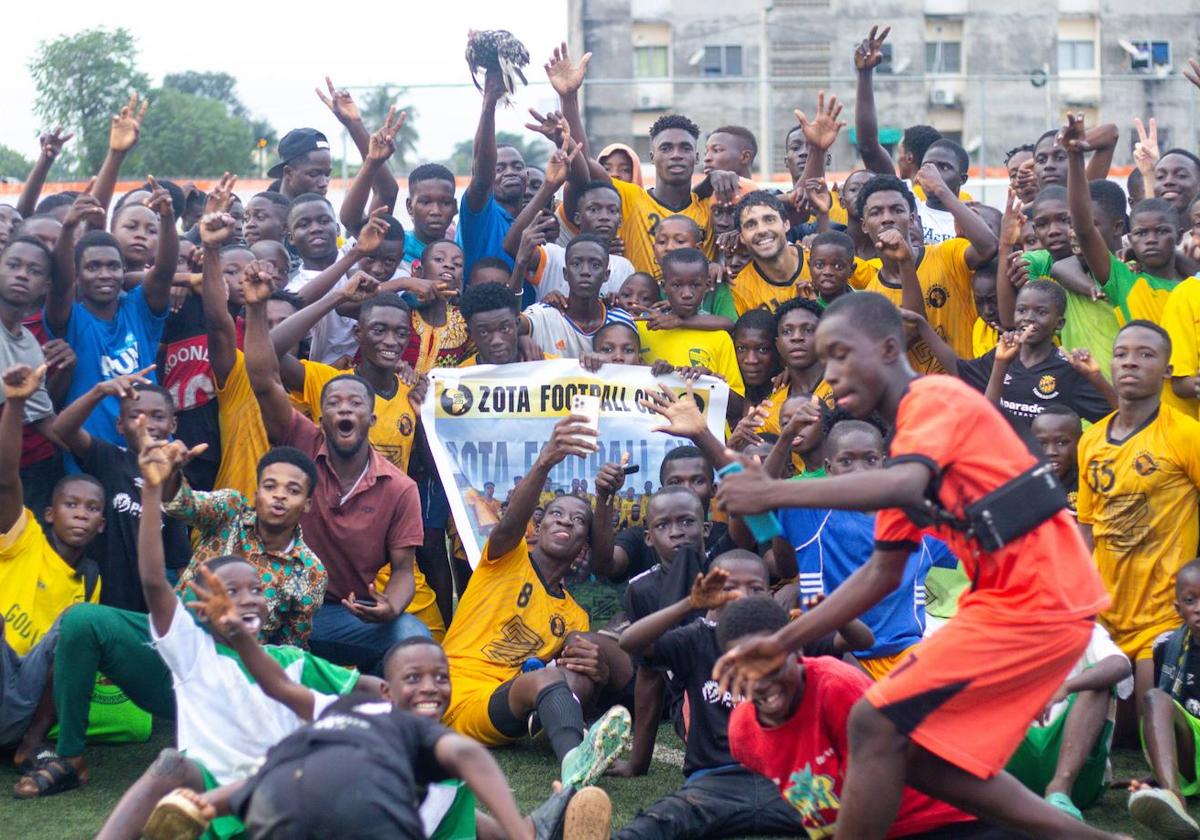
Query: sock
{"points": [[561, 716]]}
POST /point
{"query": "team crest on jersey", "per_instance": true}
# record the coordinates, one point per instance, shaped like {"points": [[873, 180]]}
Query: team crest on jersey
{"points": [[699, 357], [558, 626], [1144, 464], [405, 424], [457, 401], [1047, 387], [937, 296]]}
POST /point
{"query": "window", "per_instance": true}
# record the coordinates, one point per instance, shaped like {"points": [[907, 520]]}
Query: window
{"points": [[1151, 55], [943, 45], [650, 62], [885, 66], [1076, 55], [722, 61]]}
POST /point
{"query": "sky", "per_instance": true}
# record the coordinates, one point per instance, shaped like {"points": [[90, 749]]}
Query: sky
{"points": [[278, 54]]}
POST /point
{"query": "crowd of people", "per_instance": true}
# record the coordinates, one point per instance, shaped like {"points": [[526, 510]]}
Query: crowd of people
{"points": [[950, 557]]}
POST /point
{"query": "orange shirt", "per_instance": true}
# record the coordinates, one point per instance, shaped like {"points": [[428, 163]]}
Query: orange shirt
{"points": [[1045, 576]]}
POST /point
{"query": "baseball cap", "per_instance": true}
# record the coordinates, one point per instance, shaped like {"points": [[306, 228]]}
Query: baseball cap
{"points": [[297, 143]]}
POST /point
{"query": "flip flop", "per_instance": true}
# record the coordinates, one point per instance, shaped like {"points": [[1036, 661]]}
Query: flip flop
{"points": [[175, 817], [1063, 803], [1161, 811]]}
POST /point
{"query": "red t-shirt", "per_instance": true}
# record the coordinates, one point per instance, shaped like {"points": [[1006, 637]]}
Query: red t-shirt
{"points": [[806, 757], [1048, 574]]}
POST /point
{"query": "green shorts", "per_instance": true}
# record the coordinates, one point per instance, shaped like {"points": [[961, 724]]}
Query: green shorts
{"points": [[222, 828], [458, 820], [1190, 787], [1036, 759]]}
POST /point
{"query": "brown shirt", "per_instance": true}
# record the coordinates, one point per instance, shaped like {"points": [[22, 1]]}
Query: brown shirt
{"points": [[353, 536]]}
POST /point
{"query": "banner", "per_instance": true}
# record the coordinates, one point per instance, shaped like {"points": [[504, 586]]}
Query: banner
{"points": [[487, 424]]}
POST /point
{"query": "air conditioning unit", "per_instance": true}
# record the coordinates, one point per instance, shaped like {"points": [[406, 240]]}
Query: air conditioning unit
{"points": [[943, 95]]}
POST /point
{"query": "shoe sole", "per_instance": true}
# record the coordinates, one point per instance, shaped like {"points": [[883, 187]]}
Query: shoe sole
{"points": [[1156, 813], [589, 816], [611, 735], [175, 818]]}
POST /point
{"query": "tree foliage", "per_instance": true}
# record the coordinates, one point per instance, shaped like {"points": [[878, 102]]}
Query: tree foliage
{"points": [[82, 80], [374, 111], [218, 86], [13, 164], [535, 151], [192, 136]]}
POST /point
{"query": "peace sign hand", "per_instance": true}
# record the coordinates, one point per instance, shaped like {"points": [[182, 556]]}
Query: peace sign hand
{"points": [[869, 54], [127, 124]]}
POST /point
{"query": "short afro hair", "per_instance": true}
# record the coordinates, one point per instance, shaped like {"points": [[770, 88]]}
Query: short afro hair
{"points": [[384, 299], [1155, 205], [597, 185], [789, 306], [756, 319], [309, 198], [402, 645], [367, 387], [584, 238], [1051, 193], [758, 198], [871, 313], [430, 172], [289, 455], [1153, 327], [31, 241], [96, 239], [490, 262], [680, 453], [1110, 198], [884, 183], [669, 121], [52, 202], [681, 257], [960, 154], [836, 238], [487, 297], [745, 135], [277, 198], [1192, 158], [1016, 150], [918, 138], [758, 615], [73, 478], [1055, 292]]}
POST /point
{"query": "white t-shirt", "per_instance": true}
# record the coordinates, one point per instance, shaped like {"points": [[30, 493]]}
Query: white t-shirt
{"points": [[553, 279], [938, 225], [1099, 647], [223, 720], [555, 333]]}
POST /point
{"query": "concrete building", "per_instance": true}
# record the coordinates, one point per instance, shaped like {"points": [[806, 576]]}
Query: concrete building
{"points": [[990, 75]]}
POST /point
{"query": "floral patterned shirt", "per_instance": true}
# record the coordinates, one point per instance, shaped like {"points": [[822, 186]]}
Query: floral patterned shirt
{"points": [[293, 580]]}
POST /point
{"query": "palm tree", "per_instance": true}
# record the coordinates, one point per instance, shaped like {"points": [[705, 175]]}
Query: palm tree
{"points": [[374, 111]]}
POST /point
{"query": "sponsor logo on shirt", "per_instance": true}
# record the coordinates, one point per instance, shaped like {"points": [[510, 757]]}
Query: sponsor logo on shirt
{"points": [[1145, 464], [121, 363], [712, 694], [937, 296], [1047, 387]]}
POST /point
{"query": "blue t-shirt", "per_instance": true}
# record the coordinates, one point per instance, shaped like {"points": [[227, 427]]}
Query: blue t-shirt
{"points": [[482, 234], [833, 544], [107, 349]]}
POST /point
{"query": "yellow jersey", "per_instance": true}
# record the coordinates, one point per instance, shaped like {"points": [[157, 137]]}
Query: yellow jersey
{"points": [[243, 436], [512, 617], [1140, 498], [779, 396], [1181, 320], [36, 584], [424, 600], [752, 289], [640, 215], [945, 281], [395, 420], [984, 337], [682, 347]]}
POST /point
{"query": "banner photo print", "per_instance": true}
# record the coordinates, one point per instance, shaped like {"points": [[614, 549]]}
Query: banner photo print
{"points": [[487, 424]]}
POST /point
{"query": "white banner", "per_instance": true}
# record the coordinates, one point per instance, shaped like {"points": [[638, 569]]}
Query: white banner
{"points": [[487, 424]]}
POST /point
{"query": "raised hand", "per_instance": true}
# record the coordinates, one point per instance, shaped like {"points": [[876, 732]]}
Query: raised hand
{"points": [[869, 53], [154, 458], [359, 287], [1084, 363], [571, 436], [1008, 346], [681, 413], [220, 197], [892, 245], [372, 234], [1073, 136], [21, 381], [59, 355], [816, 192], [708, 591], [1027, 183], [1145, 151], [745, 433], [740, 669], [259, 280], [823, 129], [1013, 220], [53, 141], [560, 161], [551, 125], [931, 181], [566, 78], [127, 124], [340, 102], [382, 144], [214, 604], [751, 490], [611, 477], [160, 201], [216, 229], [121, 387], [1192, 72], [86, 209]]}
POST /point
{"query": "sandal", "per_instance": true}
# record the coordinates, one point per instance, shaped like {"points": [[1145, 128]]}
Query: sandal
{"points": [[176, 817], [1063, 803], [30, 764], [53, 774]]}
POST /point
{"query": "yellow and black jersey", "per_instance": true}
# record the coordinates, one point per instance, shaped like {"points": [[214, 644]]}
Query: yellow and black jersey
{"points": [[640, 215]]}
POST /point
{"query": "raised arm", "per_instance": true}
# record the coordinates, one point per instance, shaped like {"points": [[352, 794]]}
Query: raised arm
{"points": [[923, 331], [157, 285], [343, 106], [566, 78], [892, 245], [483, 169], [293, 329], [707, 593], [380, 148], [122, 137], [609, 480], [467, 760], [556, 175], [867, 57], [1103, 142], [262, 366], [215, 230], [20, 383], [68, 425], [86, 210], [1079, 200], [971, 224], [1010, 235], [1006, 350], [571, 436], [51, 144]]}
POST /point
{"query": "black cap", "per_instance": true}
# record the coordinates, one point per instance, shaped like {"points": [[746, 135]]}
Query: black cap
{"points": [[297, 143]]}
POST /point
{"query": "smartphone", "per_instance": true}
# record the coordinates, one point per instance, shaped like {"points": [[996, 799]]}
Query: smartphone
{"points": [[588, 406], [366, 602], [630, 469]]}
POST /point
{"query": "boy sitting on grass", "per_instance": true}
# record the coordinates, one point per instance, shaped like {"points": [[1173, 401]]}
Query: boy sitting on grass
{"points": [[1171, 720]]}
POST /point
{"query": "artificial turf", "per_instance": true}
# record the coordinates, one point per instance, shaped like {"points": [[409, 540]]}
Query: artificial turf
{"points": [[79, 814]]}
